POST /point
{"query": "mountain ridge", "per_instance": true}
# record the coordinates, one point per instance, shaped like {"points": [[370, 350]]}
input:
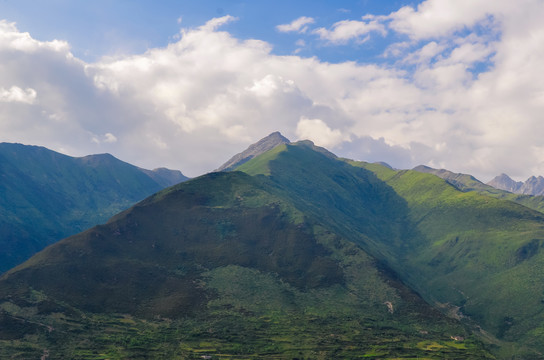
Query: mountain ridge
{"points": [[46, 196], [331, 255], [267, 143], [465, 182], [534, 185], [247, 262]]}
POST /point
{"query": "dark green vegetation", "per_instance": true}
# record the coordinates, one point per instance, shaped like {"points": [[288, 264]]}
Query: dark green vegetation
{"points": [[262, 264], [46, 196]]}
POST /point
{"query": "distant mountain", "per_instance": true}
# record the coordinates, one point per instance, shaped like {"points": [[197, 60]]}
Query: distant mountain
{"points": [[504, 182], [46, 196], [293, 262], [532, 186], [267, 143], [165, 177], [465, 182]]}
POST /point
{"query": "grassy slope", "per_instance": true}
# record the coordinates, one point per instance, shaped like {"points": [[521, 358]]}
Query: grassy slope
{"points": [[475, 252], [467, 183], [469, 252], [46, 196], [223, 265]]}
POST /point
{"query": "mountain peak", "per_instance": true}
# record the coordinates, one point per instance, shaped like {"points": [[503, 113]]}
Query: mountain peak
{"points": [[505, 182], [267, 143]]}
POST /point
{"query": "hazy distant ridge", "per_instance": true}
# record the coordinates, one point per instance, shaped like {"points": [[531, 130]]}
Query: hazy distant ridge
{"points": [[532, 186]]}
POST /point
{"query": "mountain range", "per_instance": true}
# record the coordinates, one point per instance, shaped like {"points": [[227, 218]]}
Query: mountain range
{"points": [[532, 186], [295, 253], [46, 196]]}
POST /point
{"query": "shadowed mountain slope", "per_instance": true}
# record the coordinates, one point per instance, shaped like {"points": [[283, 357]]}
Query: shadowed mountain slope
{"points": [[232, 265], [46, 196]]}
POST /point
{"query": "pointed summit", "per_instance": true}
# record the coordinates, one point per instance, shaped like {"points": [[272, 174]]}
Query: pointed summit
{"points": [[533, 186], [261, 146], [504, 182]]}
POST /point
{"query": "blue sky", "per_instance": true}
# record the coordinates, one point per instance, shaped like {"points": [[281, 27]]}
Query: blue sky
{"points": [[112, 27], [453, 84]]}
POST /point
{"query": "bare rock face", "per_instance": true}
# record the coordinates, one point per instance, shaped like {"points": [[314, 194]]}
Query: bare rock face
{"points": [[533, 186], [504, 182], [261, 146]]}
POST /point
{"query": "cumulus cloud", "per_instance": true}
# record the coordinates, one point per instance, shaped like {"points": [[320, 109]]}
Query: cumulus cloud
{"points": [[319, 132], [12, 39], [16, 94], [197, 101], [436, 18], [346, 30], [298, 25]]}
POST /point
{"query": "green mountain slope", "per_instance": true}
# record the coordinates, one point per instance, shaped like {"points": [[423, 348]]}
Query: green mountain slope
{"points": [[299, 254], [227, 265], [475, 254], [465, 182], [46, 196]]}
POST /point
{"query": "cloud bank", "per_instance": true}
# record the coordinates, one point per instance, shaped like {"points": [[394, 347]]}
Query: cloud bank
{"points": [[462, 89]]}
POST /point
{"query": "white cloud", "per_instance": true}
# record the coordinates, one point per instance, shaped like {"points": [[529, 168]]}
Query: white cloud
{"points": [[298, 25], [197, 101], [436, 18], [216, 23], [346, 30], [110, 138], [12, 39], [319, 132], [16, 94]]}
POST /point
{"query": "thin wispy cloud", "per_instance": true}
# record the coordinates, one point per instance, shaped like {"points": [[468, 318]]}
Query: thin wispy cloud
{"points": [[299, 25]]}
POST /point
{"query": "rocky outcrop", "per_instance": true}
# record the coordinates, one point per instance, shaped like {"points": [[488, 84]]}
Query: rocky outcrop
{"points": [[261, 146], [504, 182]]}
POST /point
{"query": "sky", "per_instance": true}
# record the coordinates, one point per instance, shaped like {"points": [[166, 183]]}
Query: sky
{"points": [[455, 84]]}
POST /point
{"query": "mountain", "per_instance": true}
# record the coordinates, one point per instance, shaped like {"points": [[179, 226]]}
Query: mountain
{"points": [[477, 256], [267, 143], [469, 253], [504, 182], [46, 196], [295, 254], [465, 182], [532, 186], [292, 256], [165, 177]]}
